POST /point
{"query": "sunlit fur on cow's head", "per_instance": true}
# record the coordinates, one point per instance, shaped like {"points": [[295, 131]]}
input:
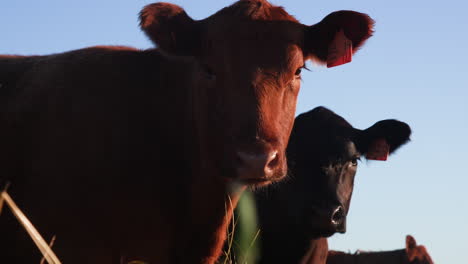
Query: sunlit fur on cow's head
{"points": [[323, 152], [252, 54]]}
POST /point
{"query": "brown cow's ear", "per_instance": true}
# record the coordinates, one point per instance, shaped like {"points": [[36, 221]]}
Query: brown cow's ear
{"points": [[390, 132], [337, 37], [410, 242], [416, 253], [411, 248], [169, 27]]}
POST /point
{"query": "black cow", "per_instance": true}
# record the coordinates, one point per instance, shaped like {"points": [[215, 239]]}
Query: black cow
{"points": [[323, 155]]}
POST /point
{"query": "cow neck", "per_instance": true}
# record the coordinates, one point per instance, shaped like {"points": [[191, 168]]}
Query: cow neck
{"points": [[176, 111], [212, 199], [317, 252], [179, 75], [211, 213]]}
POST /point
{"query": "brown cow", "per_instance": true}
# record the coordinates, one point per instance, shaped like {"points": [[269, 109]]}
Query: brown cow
{"points": [[412, 254], [126, 154]]}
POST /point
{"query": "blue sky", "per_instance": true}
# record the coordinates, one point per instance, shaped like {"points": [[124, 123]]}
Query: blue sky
{"points": [[413, 69]]}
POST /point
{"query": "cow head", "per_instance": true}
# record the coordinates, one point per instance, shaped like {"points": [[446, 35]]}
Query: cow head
{"points": [[324, 151], [252, 54]]}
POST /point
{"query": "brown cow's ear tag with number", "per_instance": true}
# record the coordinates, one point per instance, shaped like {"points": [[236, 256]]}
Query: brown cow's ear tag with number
{"points": [[378, 150], [340, 50]]}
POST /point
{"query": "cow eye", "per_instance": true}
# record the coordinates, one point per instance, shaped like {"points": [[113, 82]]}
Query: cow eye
{"points": [[298, 71], [354, 161]]}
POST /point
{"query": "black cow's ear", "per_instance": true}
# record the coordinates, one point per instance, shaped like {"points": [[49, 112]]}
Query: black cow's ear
{"points": [[169, 27], [337, 37], [392, 132]]}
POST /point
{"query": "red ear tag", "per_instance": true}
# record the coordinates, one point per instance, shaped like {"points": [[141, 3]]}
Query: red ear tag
{"points": [[378, 150], [340, 50]]}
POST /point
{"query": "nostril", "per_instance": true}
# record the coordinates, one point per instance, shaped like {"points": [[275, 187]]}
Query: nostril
{"points": [[273, 160], [337, 216]]}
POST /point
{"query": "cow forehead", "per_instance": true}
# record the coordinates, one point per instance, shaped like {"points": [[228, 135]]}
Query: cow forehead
{"points": [[340, 149], [350, 149], [253, 32], [258, 36], [259, 10], [262, 49]]}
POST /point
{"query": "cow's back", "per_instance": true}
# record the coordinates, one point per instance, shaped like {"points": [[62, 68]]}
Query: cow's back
{"points": [[86, 130]]}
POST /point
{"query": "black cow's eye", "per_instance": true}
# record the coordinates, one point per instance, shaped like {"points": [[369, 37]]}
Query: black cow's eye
{"points": [[354, 161]]}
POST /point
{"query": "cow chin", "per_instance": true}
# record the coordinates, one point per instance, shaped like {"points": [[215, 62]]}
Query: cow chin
{"points": [[256, 175], [329, 232], [321, 232], [321, 226], [324, 234], [260, 179]]}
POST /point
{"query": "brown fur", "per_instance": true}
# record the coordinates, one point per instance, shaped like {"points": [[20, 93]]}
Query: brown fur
{"points": [[88, 172], [412, 254], [127, 154]]}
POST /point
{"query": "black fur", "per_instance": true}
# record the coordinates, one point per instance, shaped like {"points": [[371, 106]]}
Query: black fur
{"points": [[322, 154]]}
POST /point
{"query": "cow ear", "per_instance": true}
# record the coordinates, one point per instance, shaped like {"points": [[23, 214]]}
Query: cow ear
{"points": [[411, 248], [169, 27], [416, 253], [383, 138], [410, 242], [337, 37]]}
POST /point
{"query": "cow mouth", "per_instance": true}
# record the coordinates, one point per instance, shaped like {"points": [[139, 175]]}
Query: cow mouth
{"points": [[323, 226], [260, 181], [256, 176], [322, 232], [257, 181], [327, 233]]}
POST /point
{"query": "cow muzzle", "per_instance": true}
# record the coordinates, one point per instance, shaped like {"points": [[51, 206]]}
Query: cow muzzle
{"points": [[260, 167], [330, 221], [338, 219]]}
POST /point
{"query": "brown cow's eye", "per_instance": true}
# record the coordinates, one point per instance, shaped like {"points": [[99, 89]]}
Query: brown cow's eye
{"points": [[298, 71], [354, 161]]}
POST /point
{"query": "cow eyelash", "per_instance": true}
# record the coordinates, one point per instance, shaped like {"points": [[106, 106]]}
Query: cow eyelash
{"points": [[354, 160], [299, 70]]}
